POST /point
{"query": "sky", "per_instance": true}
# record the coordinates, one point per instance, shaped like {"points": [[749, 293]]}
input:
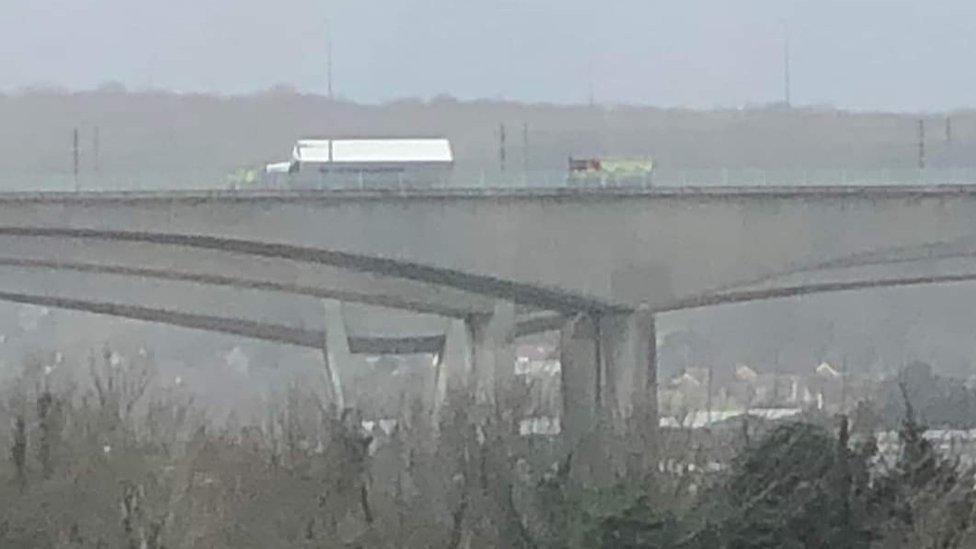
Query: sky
{"points": [[890, 55]]}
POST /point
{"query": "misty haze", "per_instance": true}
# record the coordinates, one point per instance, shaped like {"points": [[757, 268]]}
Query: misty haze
{"points": [[498, 274]]}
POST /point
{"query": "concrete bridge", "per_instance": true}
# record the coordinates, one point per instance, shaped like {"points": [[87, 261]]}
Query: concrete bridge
{"points": [[462, 273]]}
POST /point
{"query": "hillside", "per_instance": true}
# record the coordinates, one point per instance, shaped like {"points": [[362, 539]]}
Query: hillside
{"points": [[165, 140]]}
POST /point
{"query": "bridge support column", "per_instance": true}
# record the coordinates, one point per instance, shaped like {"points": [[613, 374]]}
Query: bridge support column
{"points": [[493, 353], [453, 369], [628, 345], [580, 379], [339, 363]]}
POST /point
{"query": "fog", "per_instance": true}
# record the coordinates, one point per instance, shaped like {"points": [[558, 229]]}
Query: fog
{"points": [[895, 55], [164, 140], [194, 353]]}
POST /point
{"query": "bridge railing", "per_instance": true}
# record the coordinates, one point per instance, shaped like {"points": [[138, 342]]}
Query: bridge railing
{"points": [[718, 177], [211, 179]]}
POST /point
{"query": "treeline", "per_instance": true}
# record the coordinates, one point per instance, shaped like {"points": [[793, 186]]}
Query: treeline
{"points": [[942, 402], [127, 461], [142, 136]]}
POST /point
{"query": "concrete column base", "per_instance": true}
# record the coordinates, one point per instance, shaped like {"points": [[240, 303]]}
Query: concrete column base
{"points": [[585, 433], [580, 379], [453, 370], [493, 353], [339, 361], [477, 364], [629, 348]]}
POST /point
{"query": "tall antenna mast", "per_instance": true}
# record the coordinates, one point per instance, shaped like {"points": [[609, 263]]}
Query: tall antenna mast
{"points": [[501, 146], [786, 64], [328, 56]]}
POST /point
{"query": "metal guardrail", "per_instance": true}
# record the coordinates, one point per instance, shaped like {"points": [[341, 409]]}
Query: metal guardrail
{"points": [[671, 178], [276, 195]]}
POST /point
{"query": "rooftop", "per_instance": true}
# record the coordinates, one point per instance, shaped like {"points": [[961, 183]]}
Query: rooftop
{"points": [[373, 150]]}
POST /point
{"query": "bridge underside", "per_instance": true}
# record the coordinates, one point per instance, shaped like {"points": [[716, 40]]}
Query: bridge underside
{"points": [[463, 276], [565, 249], [296, 301], [927, 264]]}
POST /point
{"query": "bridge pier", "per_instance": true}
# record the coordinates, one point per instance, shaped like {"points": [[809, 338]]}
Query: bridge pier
{"points": [[628, 344], [478, 358], [493, 353], [629, 352], [339, 361], [609, 387], [580, 378], [454, 365]]}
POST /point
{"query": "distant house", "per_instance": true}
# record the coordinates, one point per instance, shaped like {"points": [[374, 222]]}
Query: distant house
{"points": [[745, 373], [688, 390], [828, 371], [535, 352], [536, 360], [686, 380], [827, 385], [702, 418]]}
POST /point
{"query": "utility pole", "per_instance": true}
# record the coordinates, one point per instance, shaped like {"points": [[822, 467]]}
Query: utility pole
{"points": [[501, 146], [921, 144], [948, 129], [328, 57], [786, 64], [525, 147], [75, 157]]}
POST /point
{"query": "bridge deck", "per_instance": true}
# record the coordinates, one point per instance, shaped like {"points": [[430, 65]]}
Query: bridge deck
{"points": [[276, 195]]}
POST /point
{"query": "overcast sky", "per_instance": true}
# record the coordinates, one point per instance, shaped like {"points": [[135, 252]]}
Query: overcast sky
{"points": [[884, 54]]}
